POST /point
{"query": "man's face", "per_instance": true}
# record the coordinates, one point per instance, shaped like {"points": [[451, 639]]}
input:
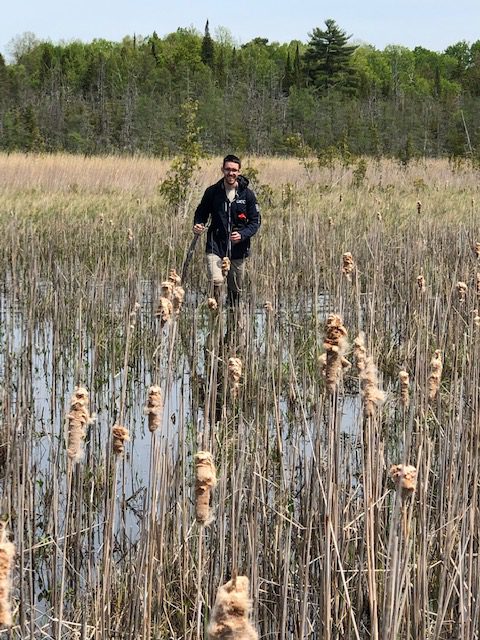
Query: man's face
{"points": [[230, 172]]}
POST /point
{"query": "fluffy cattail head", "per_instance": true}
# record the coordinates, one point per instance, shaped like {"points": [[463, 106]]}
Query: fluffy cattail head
{"points": [[360, 351], [205, 481], [373, 396], [174, 278], [178, 296], [419, 206], [230, 615], [268, 306], [404, 477], [348, 265], [476, 249], [461, 291], [166, 289], [225, 266], [212, 304], [154, 408], [7, 557], [130, 234], [435, 377], [404, 388], [78, 420], [335, 344], [422, 287], [120, 435], [234, 374], [164, 310]]}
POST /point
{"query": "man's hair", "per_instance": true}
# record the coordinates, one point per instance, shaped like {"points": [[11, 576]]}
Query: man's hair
{"points": [[232, 158]]}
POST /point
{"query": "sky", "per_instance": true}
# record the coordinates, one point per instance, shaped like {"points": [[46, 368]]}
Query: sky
{"points": [[433, 24]]}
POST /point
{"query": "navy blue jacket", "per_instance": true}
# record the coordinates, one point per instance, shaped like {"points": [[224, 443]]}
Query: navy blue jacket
{"points": [[242, 215]]}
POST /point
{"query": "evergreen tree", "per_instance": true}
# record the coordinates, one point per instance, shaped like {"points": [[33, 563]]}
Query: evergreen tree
{"points": [[297, 69], [328, 58], [208, 48]]}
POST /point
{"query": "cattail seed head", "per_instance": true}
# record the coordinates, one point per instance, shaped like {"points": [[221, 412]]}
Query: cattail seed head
{"points": [[234, 374], [461, 291], [212, 305], [476, 249], [419, 206], [230, 615], [164, 310], [360, 351], [205, 481], [166, 289], [7, 556], [225, 266], [404, 477], [154, 408], [348, 265], [404, 388], [174, 278], [268, 306], [120, 435], [422, 287], [373, 396], [434, 379], [78, 420], [335, 345], [178, 296]]}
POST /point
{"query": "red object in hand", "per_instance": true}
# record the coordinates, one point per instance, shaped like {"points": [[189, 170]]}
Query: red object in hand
{"points": [[242, 216]]}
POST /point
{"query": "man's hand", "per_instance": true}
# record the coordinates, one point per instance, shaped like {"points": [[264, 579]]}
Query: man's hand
{"points": [[235, 237], [198, 229]]}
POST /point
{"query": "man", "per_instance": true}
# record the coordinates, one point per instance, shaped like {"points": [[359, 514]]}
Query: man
{"points": [[235, 218]]}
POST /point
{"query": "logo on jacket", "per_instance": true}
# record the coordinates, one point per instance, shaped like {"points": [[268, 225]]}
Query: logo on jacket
{"points": [[241, 201]]}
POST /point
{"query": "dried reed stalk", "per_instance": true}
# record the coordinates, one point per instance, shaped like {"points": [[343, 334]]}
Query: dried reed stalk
{"points": [[477, 283], [178, 296], [205, 481], [230, 615], [360, 351], [78, 419], [435, 376], [7, 556], [120, 435], [154, 408]]}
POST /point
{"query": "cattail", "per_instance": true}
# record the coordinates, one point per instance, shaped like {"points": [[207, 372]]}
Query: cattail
{"points": [[476, 249], [322, 361], [373, 396], [476, 318], [419, 206], [166, 289], [379, 216], [335, 345], [174, 278], [154, 408], [436, 367], [212, 305], [120, 435], [78, 419], [7, 556], [404, 477], [348, 266], [130, 234], [133, 315], [359, 351], [164, 310], [330, 222], [234, 374], [404, 388], [225, 266], [461, 291], [230, 615], [421, 284], [205, 481], [178, 296], [268, 306]]}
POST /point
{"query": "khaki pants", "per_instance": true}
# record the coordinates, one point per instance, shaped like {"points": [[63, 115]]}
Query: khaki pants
{"points": [[235, 276]]}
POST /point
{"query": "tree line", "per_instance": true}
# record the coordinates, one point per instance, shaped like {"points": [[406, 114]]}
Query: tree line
{"points": [[324, 95]]}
